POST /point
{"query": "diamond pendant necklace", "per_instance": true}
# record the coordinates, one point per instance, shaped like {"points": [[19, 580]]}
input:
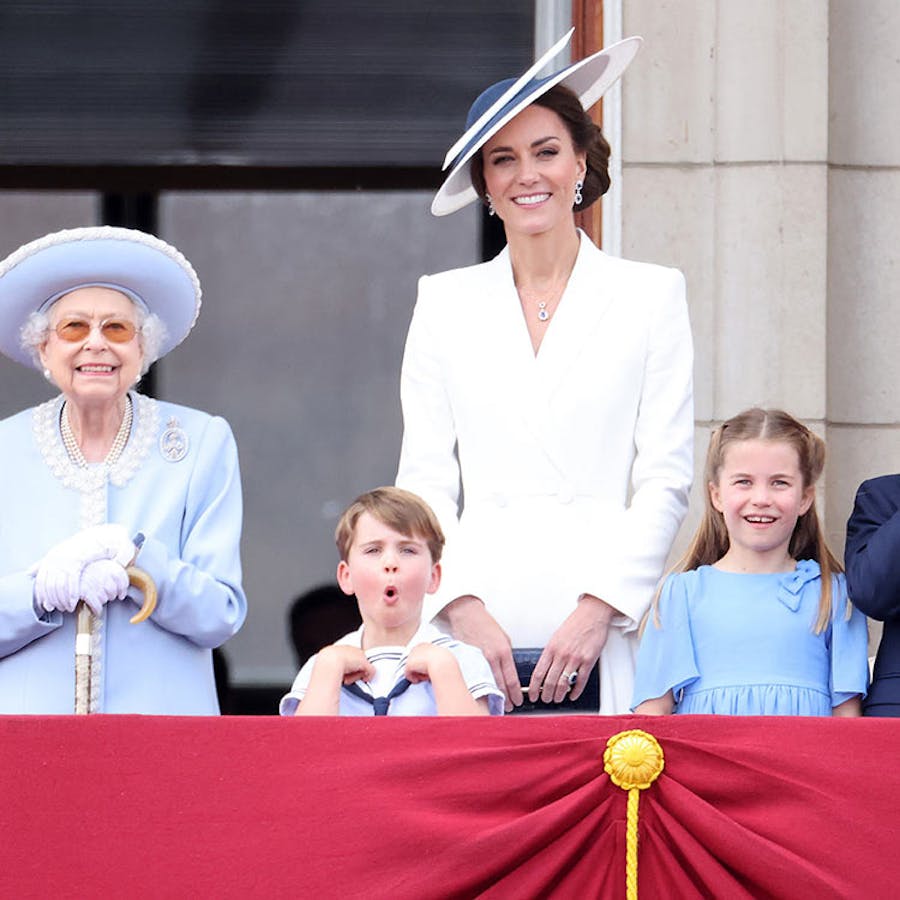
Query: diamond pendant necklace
{"points": [[544, 312]]}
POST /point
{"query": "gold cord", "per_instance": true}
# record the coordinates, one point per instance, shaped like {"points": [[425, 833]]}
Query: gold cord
{"points": [[633, 760]]}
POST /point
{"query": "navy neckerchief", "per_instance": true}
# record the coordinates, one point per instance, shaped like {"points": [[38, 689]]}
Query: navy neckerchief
{"points": [[380, 704]]}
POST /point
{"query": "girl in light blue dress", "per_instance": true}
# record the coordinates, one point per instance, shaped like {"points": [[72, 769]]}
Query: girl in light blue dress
{"points": [[756, 620]]}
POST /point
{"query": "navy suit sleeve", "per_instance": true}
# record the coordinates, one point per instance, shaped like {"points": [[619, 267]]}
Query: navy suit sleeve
{"points": [[872, 552]]}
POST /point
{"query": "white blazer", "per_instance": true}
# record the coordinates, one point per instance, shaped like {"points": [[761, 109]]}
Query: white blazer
{"points": [[575, 463]]}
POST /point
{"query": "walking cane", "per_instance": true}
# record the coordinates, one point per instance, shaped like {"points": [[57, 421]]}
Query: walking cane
{"points": [[83, 645]]}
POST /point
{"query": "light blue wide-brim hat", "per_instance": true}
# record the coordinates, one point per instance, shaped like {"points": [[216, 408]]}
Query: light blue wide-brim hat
{"points": [[589, 79], [149, 271]]}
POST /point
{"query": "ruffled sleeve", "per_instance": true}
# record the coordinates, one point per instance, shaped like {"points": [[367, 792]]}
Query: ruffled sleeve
{"points": [[848, 646], [666, 659]]}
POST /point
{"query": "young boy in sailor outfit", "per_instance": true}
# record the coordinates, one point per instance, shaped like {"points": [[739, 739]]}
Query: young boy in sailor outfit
{"points": [[390, 546]]}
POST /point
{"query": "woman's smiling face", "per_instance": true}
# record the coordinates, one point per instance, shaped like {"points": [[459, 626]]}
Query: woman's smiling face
{"points": [[95, 369], [530, 169]]}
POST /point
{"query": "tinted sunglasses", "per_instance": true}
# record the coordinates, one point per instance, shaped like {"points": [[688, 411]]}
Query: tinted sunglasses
{"points": [[74, 328]]}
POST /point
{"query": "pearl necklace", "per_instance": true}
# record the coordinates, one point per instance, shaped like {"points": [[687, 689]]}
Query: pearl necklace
{"points": [[118, 444]]}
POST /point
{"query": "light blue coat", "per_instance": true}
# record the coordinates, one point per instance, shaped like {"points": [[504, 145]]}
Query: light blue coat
{"points": [[187, 503]]}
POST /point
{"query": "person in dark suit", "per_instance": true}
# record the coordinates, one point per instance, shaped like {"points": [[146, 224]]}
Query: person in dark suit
{"points": [[872, 559]]}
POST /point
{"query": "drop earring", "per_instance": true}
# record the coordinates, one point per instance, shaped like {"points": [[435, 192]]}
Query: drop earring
{"points": [[578, 186], [490, 205]]}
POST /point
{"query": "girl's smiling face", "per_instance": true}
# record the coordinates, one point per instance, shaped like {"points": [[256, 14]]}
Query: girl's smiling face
{"points": [[530, 169], [761, 494]]}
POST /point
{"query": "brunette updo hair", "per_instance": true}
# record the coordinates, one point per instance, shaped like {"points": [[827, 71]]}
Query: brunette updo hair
{"points": [[586, 136]]}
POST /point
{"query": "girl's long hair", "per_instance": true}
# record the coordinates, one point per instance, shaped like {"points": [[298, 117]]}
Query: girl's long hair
{"points": [[711, 541]]}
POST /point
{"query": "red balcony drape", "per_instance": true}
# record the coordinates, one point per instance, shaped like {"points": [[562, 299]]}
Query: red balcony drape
{"points": [[443, 808]]}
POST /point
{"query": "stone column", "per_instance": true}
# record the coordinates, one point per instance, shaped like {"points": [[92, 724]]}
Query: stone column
{"points": [[863, 259], [725, 137]]}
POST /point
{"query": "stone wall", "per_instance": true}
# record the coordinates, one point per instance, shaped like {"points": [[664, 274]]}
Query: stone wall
{"points": [[761, 156]]}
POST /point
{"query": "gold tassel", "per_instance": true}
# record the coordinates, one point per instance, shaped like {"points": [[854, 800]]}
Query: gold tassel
{"points": [[633, 760]]}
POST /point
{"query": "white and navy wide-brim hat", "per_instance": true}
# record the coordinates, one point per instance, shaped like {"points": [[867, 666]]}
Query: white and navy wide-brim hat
{"points": [[149, 271], [589, 79]]}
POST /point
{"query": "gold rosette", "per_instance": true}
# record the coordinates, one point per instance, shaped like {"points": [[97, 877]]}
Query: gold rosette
{"points": [[633, 760]]}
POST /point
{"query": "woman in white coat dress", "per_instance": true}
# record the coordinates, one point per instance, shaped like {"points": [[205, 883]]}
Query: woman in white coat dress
{"points": [[84, 473], [554, 384]]}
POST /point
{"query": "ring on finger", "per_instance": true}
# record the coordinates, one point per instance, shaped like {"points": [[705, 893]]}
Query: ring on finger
{"points": [[569, 677]]}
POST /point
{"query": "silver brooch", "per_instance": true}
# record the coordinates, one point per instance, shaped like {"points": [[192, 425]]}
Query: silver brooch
{"points": [[173, 442]]}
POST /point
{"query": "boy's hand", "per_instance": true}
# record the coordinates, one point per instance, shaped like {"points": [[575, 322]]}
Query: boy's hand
{"points": [[336, 665], [428, 662], [424, 658], [347, 663]]}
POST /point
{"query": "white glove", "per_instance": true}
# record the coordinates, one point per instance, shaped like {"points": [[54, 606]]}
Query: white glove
{"points": [[58, 575], [103, 580]]}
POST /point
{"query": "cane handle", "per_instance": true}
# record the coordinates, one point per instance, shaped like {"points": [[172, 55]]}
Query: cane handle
{"points": [[140, 579]]}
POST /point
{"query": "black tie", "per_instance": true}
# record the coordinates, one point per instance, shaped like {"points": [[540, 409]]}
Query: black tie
{"points": [[381, 704]]}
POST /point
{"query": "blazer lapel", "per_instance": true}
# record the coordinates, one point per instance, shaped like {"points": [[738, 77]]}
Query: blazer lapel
{"points": [[534, 379], [514, 361], [506, 326], [580, 314], [571, 334]]}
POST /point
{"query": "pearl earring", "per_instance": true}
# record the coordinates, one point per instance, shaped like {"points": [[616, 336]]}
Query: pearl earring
{"points": [[578, 186], [490, 205], [47, 374]]}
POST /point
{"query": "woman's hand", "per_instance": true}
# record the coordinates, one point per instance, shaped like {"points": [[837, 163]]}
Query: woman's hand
{"points": [[471, 623], [103, 581], [574, 647], [57, 582]]}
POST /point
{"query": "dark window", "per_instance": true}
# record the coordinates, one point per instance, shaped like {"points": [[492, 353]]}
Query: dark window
{"points": [[189, 85]]}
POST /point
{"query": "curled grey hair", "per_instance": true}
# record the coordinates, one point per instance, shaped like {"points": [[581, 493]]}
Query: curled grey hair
{"points": [[151, 328]]}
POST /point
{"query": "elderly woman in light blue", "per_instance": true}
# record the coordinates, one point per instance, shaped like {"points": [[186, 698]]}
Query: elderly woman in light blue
{"points": [[100, 475]]}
